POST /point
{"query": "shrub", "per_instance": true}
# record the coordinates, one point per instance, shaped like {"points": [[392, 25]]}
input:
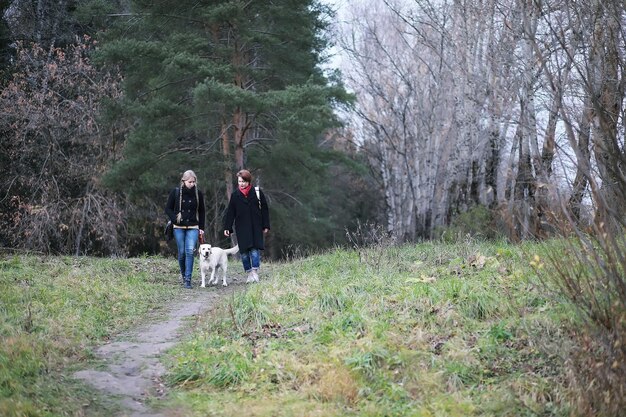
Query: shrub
{"points": [[478, 221]]}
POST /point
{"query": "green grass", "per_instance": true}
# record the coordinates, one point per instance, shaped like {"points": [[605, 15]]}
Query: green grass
{"points": [[432, 329], [53, 310], [426, 330]]}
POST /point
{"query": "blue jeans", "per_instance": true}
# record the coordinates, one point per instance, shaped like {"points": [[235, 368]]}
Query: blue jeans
{"points": [[251, 259], [186, 240]]}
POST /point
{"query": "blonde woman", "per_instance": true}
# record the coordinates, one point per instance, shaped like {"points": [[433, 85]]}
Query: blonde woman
{"points": [[185, 208]]}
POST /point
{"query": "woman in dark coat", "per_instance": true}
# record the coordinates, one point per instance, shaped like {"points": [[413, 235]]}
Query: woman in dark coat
{"points": [[185, 208], [251, 217]]}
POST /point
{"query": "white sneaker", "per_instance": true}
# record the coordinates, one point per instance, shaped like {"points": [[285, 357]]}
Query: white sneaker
{"points": [[255, 275], [250, 277]]}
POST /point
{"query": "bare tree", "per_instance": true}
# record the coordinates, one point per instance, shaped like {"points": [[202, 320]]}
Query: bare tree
{"points": [[431, 102], [45, 22], [57, 149], [591, 38], [467, 99]]}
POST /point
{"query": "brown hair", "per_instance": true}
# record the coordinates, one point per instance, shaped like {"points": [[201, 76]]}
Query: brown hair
{"points": [[245, 175]]}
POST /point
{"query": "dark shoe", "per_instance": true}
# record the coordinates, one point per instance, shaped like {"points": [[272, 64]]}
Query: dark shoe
{"points": [[187, 282]]}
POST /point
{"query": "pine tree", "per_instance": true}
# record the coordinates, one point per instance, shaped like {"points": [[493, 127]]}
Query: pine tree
{"points": [[217, 86]]}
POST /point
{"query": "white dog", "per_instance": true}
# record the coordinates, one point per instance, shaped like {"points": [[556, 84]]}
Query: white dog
{"points": [[213, 258]]}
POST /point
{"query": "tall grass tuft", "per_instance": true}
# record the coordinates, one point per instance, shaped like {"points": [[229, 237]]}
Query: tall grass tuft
{"points": [[213, 361], [250, 310]]}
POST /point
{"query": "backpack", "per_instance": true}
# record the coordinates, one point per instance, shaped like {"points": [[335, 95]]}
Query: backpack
{"points": [[258, 196]]}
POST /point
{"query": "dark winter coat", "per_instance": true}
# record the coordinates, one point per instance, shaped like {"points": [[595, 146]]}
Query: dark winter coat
{"points": [[192, 211], [249, 219]]}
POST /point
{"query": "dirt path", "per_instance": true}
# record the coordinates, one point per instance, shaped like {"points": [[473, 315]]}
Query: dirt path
{"points": [[133, 368]]}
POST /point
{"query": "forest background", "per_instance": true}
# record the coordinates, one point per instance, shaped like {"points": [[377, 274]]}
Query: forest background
{"points": [[442, 119], [498, 116]]}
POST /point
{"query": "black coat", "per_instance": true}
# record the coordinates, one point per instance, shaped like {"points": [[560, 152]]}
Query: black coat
{"points": [[193, 212], [249, 219]]}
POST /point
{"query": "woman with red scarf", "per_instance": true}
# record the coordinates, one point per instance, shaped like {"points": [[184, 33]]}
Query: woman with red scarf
{"points": [[251, 217]]}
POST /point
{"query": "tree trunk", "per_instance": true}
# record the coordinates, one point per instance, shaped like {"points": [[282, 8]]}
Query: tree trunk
{"points": [[544, 174], [239, 122], [606, 86], [583, 168], [524, 192], [228, 174], [526, 183], [492, 163]]}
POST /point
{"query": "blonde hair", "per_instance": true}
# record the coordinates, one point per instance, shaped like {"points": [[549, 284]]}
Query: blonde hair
{"points": [[187, 175]]}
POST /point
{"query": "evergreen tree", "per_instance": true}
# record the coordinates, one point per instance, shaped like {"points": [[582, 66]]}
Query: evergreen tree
{"points": [[217, 86]]}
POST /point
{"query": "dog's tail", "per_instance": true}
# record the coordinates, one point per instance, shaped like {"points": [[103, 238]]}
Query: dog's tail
{"points": [[232, 250]]}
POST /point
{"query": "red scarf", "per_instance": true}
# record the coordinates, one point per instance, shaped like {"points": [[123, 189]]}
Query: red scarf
{"points": [[245, 190]]}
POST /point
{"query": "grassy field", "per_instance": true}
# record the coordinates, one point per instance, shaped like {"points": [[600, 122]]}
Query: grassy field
{"points": [[426, 330], [53, 310], [432, 329]]}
